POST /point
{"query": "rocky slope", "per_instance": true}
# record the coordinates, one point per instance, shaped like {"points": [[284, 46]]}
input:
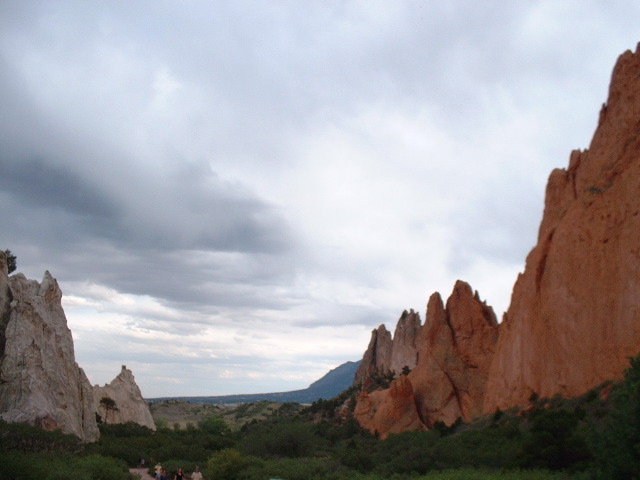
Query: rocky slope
{"points": [[574, 317], [40, 381]]}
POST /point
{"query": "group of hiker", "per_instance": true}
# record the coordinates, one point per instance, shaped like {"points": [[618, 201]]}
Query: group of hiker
{"points": [[161, 474]]}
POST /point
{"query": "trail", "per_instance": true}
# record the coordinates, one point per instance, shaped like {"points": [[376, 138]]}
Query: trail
{"points": [[142, 472]]}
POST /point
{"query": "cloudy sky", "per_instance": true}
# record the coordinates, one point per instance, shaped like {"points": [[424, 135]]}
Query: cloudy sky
{"points": [[233, 194]]}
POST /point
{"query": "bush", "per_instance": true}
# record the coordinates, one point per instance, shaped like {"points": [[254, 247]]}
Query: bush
{"points": [[225, 465], [27, 438], [214, 425]]}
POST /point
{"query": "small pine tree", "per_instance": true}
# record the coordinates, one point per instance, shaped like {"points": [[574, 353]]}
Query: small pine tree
{"points": [[109, 405], [11, 261]]}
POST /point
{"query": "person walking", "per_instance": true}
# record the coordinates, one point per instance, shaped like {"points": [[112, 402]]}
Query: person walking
{"points": [[196, 475]]}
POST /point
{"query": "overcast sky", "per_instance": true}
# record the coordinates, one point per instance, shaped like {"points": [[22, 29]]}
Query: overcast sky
{"points": [[233, 194]]}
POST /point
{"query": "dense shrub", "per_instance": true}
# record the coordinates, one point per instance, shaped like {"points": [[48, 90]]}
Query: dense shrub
{"points": [[214, 425], [18, 465], [553, 442], [20, 436], [130, 443], [280, 439], [616, 441]]}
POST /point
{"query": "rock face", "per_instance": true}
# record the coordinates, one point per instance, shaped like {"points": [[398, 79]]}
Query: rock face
{"points": [[453, 351], [40, 381], [386, 355], [128, 402], [456, 349], [394, 410], [377, 357], [574, 317]]}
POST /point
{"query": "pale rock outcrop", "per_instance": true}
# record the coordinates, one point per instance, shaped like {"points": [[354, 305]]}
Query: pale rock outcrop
{"points": [[574, 317], [128, 402], [40, 381]]}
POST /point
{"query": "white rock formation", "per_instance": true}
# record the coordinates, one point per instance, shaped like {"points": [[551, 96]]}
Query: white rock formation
{"points": [[40, 381], [128, 404]]}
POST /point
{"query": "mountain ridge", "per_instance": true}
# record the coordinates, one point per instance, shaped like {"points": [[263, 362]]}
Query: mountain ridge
{"points": [[326, 387]]}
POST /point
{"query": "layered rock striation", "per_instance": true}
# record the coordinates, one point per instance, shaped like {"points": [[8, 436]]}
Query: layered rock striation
{"points": [[574, 317]]}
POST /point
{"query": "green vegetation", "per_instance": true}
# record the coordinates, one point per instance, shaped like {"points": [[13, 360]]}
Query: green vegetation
{"points": [[31, 453], [592, 437]]}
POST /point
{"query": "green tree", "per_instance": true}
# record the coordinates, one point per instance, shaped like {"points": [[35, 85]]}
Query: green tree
{"points": [[109, 405], [617, 442], [554, 442], [11, 261], [213, 425]]}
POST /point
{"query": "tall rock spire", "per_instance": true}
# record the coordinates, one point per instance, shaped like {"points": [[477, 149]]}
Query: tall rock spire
{"points": [[574, 317]]}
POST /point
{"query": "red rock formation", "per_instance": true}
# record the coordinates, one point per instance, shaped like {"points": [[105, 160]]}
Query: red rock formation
{"points": [[389, 411], [455, 353], [454, 348], [574, 317], [404, 348], [384, 355], [377, 357]]}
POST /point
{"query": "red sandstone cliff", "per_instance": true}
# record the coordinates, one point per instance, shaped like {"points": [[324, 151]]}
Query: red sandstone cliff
{"points": [[574, 317]]}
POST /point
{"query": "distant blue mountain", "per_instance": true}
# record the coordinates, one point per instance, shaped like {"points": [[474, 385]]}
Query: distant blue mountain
{"points": [[327, 387]]}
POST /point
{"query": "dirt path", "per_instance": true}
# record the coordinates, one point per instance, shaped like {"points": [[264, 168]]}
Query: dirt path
{"points": [[142, 473]]}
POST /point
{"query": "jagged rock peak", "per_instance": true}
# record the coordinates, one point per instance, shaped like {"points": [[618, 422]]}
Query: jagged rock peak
{"points": [[388, 355], [453, 353], [377, 357], [128, 403]]}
